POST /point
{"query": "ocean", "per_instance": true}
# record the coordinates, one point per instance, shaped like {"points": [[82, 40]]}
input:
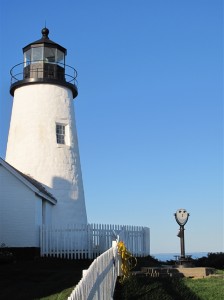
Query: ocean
{"points": [[171, 256]]}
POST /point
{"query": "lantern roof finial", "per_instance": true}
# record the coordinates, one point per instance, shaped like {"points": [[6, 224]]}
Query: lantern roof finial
{"points": [[45, 32]]}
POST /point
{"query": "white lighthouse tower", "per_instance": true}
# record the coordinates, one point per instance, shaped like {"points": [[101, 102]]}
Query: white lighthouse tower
{"points": [[42, 141]]}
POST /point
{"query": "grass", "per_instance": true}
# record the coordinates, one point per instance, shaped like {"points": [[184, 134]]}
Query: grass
{"points": [[147, 288], [59, 296], [54, 279], [45, 279], [208, 288]]}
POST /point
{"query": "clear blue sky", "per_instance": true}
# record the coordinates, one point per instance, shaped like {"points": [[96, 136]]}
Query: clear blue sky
{"points": [[149, 111]]}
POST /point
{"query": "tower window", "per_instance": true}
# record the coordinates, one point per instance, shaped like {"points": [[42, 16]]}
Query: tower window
{"points": [[60, 133]]}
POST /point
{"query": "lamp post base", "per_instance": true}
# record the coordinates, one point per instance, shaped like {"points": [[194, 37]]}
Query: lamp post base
{"points": [[184, 262]]}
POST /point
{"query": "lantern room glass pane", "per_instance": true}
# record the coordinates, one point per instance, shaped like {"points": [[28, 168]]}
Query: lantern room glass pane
{"points": [[60, 57], [37, 54], [50, 55], [27, 57]]}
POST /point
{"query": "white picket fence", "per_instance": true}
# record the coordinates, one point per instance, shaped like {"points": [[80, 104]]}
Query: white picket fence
{"points": [[98, 282], [89, 241]]}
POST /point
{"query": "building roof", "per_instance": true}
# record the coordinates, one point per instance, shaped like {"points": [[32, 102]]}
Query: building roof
{"points": [[45, 41], [33, 184]]}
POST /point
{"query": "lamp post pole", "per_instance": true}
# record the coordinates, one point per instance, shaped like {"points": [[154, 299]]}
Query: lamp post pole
{"points": [[181, 217], [182, 246]]}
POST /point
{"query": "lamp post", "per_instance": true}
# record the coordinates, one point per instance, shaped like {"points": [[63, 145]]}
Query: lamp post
{"points": [[181, 217]]}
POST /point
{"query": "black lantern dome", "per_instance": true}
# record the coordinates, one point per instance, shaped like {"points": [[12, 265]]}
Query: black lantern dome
{"points": [[44, 62]]}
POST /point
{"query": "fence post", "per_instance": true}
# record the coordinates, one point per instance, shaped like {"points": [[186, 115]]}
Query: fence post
{"points": [[90, 241], [146, 240], [119, 262]]}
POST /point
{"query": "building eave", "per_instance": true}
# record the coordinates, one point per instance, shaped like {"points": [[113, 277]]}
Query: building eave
{"points": [[25, 179]]}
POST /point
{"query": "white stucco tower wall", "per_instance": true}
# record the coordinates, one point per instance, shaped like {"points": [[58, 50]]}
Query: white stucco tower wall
{"points": [[38, 108]]}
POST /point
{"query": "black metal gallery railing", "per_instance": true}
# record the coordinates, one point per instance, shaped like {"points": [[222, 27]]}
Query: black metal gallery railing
{"points": [[43, 70]]}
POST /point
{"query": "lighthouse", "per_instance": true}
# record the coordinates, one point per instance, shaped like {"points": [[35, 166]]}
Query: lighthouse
{"points": [[42, 140]]}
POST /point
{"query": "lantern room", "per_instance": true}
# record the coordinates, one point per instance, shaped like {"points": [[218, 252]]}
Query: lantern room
{"points": [[43, 62], [44, 59]]}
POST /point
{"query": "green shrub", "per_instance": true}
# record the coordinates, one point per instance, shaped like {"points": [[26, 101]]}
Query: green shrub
{"points": [[213, 260]]}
